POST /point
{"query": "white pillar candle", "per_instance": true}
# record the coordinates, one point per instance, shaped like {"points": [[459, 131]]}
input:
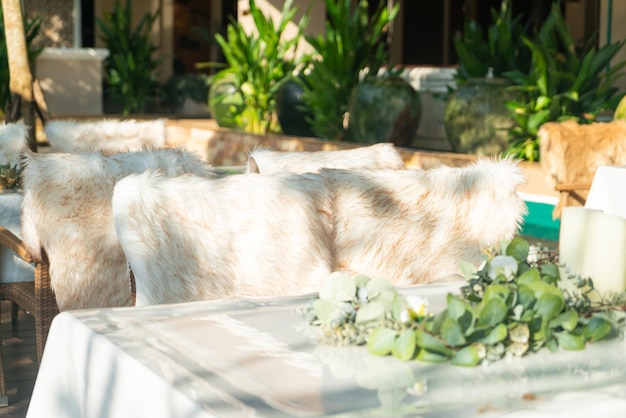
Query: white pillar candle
{"points": [[605, 251], [572, 238]]}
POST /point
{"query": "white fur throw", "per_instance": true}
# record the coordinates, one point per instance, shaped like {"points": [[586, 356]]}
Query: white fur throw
{"points": [[416, 226], [13, 143], [67, 211], [189, 238], [375, 156], [107, 136]]}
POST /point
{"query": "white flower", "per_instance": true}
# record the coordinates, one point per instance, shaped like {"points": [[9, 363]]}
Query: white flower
{"points": [[418, 308], [502, 264]]}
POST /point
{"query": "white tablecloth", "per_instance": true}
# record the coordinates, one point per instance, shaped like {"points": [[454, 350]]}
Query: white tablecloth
{"points": [[258, 358], [12, 268], [608, 190]]}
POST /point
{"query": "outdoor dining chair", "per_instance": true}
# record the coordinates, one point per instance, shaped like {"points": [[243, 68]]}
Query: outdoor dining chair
{"points": [[572, 152], [377, 156], [191, 238], [107, 136], [68, 232], [66, 213], [196, 239]]}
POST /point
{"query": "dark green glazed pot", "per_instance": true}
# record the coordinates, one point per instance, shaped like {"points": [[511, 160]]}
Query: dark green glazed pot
{"points": [[290, 110], [476, 119], [225, 101], [384, 110]]}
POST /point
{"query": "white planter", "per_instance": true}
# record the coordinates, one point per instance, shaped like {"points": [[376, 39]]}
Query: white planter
{"points": [[71, 79]]}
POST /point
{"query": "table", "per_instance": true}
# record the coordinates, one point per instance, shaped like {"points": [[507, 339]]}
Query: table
{"points": [[12, 268], [258, 358]]}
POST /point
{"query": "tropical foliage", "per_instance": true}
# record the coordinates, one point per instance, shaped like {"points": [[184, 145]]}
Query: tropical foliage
{"points": [[500, 49], [562, 83], [258, 64], [552, 78], [130, 69], [353, 41]]}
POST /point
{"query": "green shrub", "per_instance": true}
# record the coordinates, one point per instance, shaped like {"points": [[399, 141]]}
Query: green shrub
{"points": [[259, 64], [130, 68], [562, 83], [353, 41]]}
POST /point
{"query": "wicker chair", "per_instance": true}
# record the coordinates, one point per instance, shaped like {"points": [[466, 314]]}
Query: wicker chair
{"points": [[35, 297]]}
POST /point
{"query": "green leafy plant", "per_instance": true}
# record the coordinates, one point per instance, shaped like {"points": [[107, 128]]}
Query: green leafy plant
{"points": [[31, 27], [500, 48], [179, 87], [10, 176], [258, 64], [130, 68], [515, 304], [562, 83], [353, 42]]}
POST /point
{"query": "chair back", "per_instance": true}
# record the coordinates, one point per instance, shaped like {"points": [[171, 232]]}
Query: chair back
{"points": [[105, 136], [66, 211], [416, 226], [13, 143], [377, 156], [572, 152], [191, 238]]}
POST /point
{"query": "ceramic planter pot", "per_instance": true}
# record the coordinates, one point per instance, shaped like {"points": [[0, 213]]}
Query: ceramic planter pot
{"points": [[225, 101], [476, 119], [384, 110], [290, 112]]}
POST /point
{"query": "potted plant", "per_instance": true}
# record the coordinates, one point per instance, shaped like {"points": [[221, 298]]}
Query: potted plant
{"points": [[384, 109], [257, 65], [352, 44], [130, 69], [476, 118], [564, 82]]}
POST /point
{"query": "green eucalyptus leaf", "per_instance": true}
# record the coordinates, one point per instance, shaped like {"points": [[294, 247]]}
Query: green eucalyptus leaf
{"points": [[452, 333], [518, 248], [431, 343], [596, 329], [552, 345], [497, 291], [380, 341], [361, 280], [404, 346], [570, 341], [492, 312], [325, 310], [529, 276], [549, 305], [469, 356], [376, 287], [431, 356], [468, 270], [373, 311], [550, 270], [497, 334], [566, 320], [525, 296], [338, 287], [456, 306]]}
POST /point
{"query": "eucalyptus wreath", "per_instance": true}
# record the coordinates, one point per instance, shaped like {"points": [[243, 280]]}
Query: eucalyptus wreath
{"points": [[515, 303]]}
